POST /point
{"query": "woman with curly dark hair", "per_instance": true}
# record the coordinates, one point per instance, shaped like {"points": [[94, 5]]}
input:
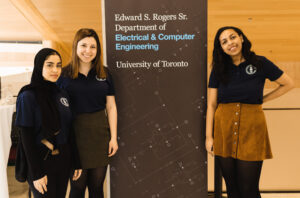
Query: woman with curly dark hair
{"points": [[236, 130]]}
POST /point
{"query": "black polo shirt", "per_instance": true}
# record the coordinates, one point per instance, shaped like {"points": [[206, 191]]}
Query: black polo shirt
{"points": [[246, 82], [29, 115], [87, 93]]}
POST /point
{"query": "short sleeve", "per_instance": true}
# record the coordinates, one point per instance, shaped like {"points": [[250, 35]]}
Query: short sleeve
{"points": [[111, 88], [213, 81], [25, 109], [271, 71]]}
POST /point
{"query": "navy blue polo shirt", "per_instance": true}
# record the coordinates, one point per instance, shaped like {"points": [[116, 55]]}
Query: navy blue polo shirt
{"points": [[29, 115], [87, 93], [246, 82]]}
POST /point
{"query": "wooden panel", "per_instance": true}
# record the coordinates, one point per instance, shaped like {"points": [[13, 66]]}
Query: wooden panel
{"points": [[68, 16], [32, 14], [64, 17], [14, 26]]}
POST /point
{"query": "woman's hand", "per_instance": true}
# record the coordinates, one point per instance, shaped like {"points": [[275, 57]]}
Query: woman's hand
{"points": [[41, 184], [209, 142], [77, 174], [113, 147]]}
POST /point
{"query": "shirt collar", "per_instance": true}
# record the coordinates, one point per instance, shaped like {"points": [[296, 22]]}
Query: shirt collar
{"points": [[91, 74], [241, 65]]}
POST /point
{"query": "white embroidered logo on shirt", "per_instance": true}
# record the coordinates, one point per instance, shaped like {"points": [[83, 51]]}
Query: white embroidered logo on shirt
{"points": [[64, 101], [250, 69], [100, 79]]}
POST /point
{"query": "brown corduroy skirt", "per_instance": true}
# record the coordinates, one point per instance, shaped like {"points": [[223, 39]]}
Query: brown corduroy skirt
{"points": [[240, 132], [92, 138]]}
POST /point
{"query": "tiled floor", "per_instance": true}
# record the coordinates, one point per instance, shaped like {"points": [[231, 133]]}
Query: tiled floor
{"points": [[20, 190], [16, 189]]}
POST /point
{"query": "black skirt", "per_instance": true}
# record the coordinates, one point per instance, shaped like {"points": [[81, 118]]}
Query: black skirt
{"points": [[92, 138]]}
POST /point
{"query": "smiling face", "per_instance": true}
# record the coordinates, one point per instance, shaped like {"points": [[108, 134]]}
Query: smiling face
{"points": [[87, 49], [52, 68], [231, 43]]}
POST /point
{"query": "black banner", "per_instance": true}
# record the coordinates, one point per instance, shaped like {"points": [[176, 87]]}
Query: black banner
{"points": [[156, 51]]}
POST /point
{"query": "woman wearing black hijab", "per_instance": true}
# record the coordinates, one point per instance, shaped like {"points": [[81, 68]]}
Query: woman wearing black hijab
{"points": [[44, 116]]}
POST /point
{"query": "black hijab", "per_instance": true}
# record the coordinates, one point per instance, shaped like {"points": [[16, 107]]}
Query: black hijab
{"points": [[45, 92]]}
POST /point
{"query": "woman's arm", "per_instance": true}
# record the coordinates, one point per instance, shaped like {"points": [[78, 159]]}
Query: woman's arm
{"points": [[285, 84], [111, 109], [76, 165], [38, 176], [211, 108]]}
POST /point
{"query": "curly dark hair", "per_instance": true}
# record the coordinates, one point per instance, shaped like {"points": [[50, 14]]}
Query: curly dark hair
{"points": [[221, 61]]}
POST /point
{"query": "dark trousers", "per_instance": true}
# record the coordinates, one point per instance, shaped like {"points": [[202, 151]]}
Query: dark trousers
{"points": [[241, 177], [57, 168]]}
